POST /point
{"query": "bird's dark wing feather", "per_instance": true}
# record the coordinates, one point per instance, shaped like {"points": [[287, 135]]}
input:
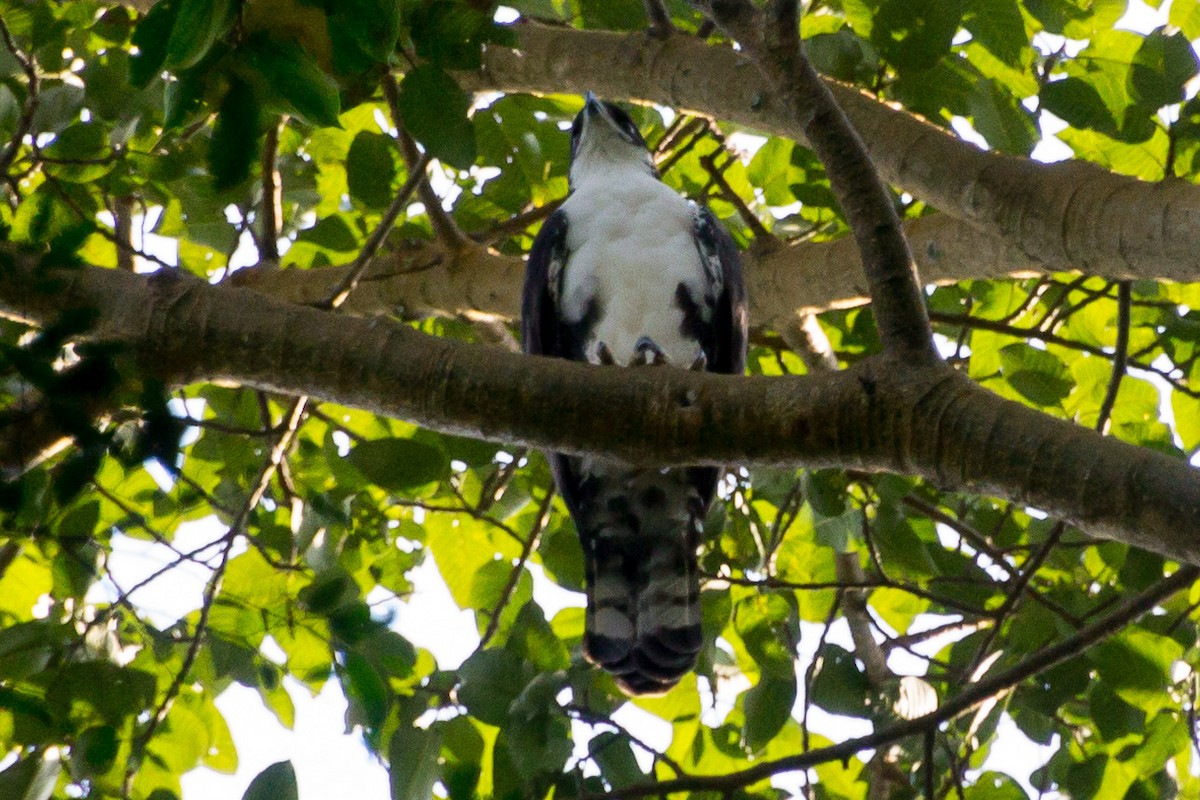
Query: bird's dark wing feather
{"points": [[724, 339], [542, 327], [543, 330], [727, 348]]}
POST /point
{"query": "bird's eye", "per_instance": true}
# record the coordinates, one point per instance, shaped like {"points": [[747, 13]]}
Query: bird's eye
{"points": [[629, 130]]}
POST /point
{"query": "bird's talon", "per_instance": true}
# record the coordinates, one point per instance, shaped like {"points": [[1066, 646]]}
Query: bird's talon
{"points": [[604, 355], [647, 353], [701, 363]]}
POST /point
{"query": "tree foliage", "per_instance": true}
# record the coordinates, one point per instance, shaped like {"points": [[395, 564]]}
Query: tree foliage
{"points": [[223, 140]]}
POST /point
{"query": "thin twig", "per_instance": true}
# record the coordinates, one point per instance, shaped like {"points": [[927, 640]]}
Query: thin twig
{"points": [[1019, 585], [32, 98], [592, 718], [237, 528], [1050, 338], [514, 578], [359, 266], [443, 225], [271, 208], [1120, 356]]}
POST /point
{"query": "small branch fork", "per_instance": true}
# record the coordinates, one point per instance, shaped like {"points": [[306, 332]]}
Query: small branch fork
{"points": [[771, 38]]}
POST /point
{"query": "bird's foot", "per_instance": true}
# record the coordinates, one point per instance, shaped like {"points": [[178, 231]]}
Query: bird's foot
{"points": [[701, 363], [647, 353], [604, 355]]}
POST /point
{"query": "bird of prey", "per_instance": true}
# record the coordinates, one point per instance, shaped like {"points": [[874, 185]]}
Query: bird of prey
{"points": [[628, 273]]}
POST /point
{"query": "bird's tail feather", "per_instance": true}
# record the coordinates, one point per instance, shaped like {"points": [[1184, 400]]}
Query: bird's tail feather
{"points": [[640, 529]]}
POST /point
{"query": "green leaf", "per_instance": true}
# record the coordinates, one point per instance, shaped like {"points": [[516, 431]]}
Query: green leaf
{"points": [[449, 34], [1187, 417], [1002, 119], [1136, 664], [915, 34], [198, 25], [768, 706], [236, 138], [290, 79], [84, 148], [1079, 104], [1185, 15], [836, 532], [839, 687], [151, 37], [619, 15], [491, 681], [183, 96], [371, 169], [769, 629], [998, 26], [413, 762], [614, 755], [333, 232], [1040, 377], [32, 777], [276, 782], [1163, 65], [94, 751], [842, 55], [434, 110], [1076, 19], [366, 690], [996, 786], [401, 465], [899, 544]]}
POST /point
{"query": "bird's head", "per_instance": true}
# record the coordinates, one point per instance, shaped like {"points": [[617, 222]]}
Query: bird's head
{"points": [[603, 140]]}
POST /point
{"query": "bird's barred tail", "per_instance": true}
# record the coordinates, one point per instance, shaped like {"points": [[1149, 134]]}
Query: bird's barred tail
{"points": [[640, 529]]}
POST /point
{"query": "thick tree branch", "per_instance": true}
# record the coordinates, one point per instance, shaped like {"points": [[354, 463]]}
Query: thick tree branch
{"points": [[879, 416], [420, 277], [1069, 215]]}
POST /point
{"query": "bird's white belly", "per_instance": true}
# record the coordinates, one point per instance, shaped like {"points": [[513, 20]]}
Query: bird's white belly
{"points": [[630, 248]]}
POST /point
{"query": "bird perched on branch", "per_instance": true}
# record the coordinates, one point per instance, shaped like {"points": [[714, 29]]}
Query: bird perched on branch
{"points": [[628, 273]]}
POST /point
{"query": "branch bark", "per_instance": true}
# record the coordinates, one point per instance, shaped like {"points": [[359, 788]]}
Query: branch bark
{"points": [[882, 415], [427, 277], [1069, 215]]}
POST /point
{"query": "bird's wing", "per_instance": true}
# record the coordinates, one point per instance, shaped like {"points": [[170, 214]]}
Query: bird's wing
{"points": [[727, 348], [543, 330]]}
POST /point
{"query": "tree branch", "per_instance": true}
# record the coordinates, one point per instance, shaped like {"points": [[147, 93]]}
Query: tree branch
{"points": [[427, 277], [1068, 215], [271, 206], [926, 420]]}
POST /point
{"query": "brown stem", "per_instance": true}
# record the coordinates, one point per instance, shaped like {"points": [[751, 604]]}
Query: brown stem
{"points": [[271, 208]]}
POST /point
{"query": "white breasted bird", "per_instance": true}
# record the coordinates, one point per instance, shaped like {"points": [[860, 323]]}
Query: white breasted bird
{"points": [[627, 272]]}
